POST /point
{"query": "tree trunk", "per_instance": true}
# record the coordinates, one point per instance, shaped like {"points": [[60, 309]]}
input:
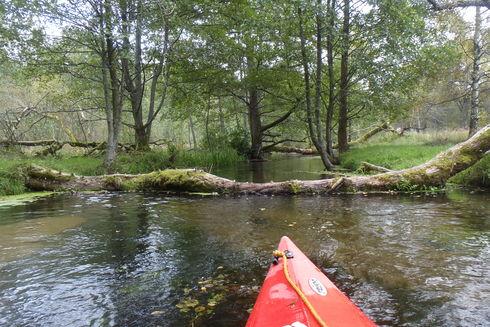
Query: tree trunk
{"points": [[292, 149], [111, 85], [313, 117], [221, 117], [206, 124], [363, 138], [475, 74], [193, 132], [331, 79], [318, 78], [141, 138], [255, 123], [134, 71], [433, 173], [342, 132]]}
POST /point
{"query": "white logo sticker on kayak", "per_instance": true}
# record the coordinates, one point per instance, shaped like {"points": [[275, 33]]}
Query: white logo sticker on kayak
{"points": [[317, 286], [296, 324]]}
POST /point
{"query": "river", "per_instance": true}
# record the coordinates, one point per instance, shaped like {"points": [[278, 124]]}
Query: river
{"points": [[136, 259]]}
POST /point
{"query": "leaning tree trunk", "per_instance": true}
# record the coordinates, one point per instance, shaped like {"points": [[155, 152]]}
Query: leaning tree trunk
{"points": [[433, 173]]}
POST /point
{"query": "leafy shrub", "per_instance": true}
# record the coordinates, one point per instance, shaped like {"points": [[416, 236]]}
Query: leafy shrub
{"points": [[238, 140]]}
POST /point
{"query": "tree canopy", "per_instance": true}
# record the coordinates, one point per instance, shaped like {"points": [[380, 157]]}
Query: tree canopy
{"points": [[245, 74]]}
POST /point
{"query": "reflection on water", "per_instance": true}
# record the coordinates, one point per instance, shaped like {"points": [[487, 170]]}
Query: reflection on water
{"points": [[278, 168], [125, 259], [22, 237]]}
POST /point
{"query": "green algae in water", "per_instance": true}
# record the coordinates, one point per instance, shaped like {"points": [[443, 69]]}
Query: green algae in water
{"points": [[12, 200]]}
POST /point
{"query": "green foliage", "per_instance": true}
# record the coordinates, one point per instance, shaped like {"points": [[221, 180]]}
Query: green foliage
{"points": [[476, 175], [236, 139], [214, 139], [294, 186], [239, 141], [175, 157], [11, 178]]}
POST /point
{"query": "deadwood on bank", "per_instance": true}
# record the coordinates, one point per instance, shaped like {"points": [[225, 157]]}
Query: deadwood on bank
{"points": [[433, 173], [363, 138]]}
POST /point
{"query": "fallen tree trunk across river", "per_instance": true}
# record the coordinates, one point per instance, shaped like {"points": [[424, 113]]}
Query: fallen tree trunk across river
{"points": [[433, 173]]}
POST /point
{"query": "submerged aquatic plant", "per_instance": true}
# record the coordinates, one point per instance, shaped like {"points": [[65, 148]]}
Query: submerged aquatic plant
{"points": [[201, 299]]}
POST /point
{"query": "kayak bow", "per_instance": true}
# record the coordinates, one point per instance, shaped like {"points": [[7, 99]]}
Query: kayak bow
{"points": [[296, 293]]}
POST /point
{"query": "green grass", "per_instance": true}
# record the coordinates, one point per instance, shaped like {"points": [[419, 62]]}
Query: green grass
{"points": [[424, 138], [399, 152], [12, 181], [396, 152], [390, 156], [208, 158], [145, 162]]}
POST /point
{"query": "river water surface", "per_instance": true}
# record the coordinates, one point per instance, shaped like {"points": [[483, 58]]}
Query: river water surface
{"points": [[126, 259]]}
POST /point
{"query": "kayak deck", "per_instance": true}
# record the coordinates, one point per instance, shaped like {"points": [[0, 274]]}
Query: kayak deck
{"points": [[278, 304]]}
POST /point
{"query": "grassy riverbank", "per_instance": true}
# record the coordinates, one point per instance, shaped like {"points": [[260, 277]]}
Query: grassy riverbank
{"points": [[12, 182], [385, 150], [395, 152]]}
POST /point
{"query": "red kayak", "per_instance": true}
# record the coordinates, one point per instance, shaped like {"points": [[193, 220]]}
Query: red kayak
{"points": [[307, 299]]}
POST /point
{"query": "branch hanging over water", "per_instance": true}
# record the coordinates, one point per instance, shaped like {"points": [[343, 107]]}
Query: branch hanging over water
{"points": [[433, 173]]}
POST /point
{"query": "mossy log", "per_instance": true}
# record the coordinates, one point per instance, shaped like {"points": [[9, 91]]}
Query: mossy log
{"points": [[54, 146], [293, 149], [433, 173]]}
